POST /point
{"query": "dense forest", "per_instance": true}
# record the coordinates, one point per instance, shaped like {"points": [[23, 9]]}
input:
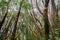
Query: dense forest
{"points": [[29, 19]]}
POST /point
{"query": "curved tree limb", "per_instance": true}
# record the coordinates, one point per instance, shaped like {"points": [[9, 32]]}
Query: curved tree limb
{"points": [[38, 29], [39, 8]]}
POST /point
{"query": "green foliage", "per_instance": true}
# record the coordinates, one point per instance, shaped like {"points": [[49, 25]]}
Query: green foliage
{"points": [[23, 31], [26, 6]]}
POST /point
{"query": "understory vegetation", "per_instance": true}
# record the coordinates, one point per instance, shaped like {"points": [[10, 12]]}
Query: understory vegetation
{"points": [[29, 20]]}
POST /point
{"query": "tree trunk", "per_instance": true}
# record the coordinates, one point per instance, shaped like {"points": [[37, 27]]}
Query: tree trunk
{"points": [[4, 16], [16, 21], [45, 17], [5, 31], [52, 14]]}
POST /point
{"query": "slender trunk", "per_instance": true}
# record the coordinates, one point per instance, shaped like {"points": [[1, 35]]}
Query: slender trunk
{"points": [[42, 28], [2, 19], [45, 17], [34, 18], [5, 31], [53, 17], [16, 21], [38, 29]]}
